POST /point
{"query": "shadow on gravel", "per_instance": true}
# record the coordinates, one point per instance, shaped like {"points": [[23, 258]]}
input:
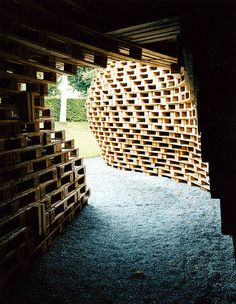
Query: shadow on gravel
{"points": [[141, 239]]}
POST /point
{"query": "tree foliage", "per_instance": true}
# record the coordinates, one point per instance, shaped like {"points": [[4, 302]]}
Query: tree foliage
{"points": [[53, 90], [76, 110], [83, 79]]}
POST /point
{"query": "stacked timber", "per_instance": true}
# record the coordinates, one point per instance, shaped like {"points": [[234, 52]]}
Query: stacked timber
{"points": [[42, 181], [145, 119]]}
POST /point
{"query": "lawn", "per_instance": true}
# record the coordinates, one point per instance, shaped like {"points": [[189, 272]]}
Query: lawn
{"points": [[84, 139]]}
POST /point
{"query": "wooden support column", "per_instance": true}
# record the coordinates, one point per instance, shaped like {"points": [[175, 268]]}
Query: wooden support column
{"points": [[209, 37]]}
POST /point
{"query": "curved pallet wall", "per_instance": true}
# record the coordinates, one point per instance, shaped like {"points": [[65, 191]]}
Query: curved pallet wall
{"points": [[144, 119]]}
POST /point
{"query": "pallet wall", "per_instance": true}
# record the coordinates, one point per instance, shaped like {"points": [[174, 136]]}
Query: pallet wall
{"points": [[145, 119], [42, 181]]}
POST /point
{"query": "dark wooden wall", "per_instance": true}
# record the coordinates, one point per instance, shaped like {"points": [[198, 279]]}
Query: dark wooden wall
{"points": [[208, 41]]}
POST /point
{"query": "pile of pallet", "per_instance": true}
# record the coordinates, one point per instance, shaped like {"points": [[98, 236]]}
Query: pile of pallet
{"points": [[42, 181], [145, 119]]}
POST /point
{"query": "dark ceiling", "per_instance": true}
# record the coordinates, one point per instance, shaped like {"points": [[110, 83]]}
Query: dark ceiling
{"points": [[107, 15], [104, 15]]}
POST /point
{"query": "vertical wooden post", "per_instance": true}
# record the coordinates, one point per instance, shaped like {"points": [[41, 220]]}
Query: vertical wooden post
{"points": [[213, 70]]}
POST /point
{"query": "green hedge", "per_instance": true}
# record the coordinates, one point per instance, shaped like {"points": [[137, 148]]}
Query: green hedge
{"points": [[76, 110]]}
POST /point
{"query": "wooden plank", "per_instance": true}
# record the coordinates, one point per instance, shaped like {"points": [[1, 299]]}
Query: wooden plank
{"points": [[7, 144], [15, 53], [12, 241], [9, 128], [9, 224], [158, 24], [148, 125], [19, 171], [20, 201], [25, 78], [69, 56], [88, 39], [49, 187], [64, 168]]}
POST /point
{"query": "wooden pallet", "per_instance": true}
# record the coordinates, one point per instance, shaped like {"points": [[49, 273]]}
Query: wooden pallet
{"points": [[144, 119], [42, 181]]}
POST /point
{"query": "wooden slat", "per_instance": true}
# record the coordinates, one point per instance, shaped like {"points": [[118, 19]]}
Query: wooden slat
{"points": [[149, 124], [87, 39], [7, 55], [140, 28]]}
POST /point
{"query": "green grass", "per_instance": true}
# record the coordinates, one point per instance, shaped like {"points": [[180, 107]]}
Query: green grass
{"points": [[84, 139]]}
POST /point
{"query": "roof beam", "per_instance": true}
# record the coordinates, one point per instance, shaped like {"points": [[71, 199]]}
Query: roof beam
{"points": [[92, 42]]}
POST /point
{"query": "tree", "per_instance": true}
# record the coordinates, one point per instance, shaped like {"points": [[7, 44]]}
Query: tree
{"points": [[53, 90], [59, 90], [83, 79], [63, 89]]}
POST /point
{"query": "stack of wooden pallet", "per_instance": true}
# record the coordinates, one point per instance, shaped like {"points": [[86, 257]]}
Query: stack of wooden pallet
{"points": [[42, 181], [144, 119]]}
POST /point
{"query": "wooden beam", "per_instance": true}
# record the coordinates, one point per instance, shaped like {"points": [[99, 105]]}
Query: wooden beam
{"points": [[88, 39], [24, 78], [66, 55], [42, 67], [140, 28], [153, 39], [167, 29], [173, 30]]}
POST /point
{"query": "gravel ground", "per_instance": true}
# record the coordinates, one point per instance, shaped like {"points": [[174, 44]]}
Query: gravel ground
{"points": [[141, 239]]}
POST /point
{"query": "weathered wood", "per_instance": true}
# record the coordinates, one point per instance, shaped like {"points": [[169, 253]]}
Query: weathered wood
{"points": [[151, 32], [79, 36], [38, 184]]}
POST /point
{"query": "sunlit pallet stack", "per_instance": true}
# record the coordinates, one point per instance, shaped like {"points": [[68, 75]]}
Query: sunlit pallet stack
{"points": [[144, 119]]}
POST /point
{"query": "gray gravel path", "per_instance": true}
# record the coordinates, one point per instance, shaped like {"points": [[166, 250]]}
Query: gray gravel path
{"points": [[141, 239]]}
